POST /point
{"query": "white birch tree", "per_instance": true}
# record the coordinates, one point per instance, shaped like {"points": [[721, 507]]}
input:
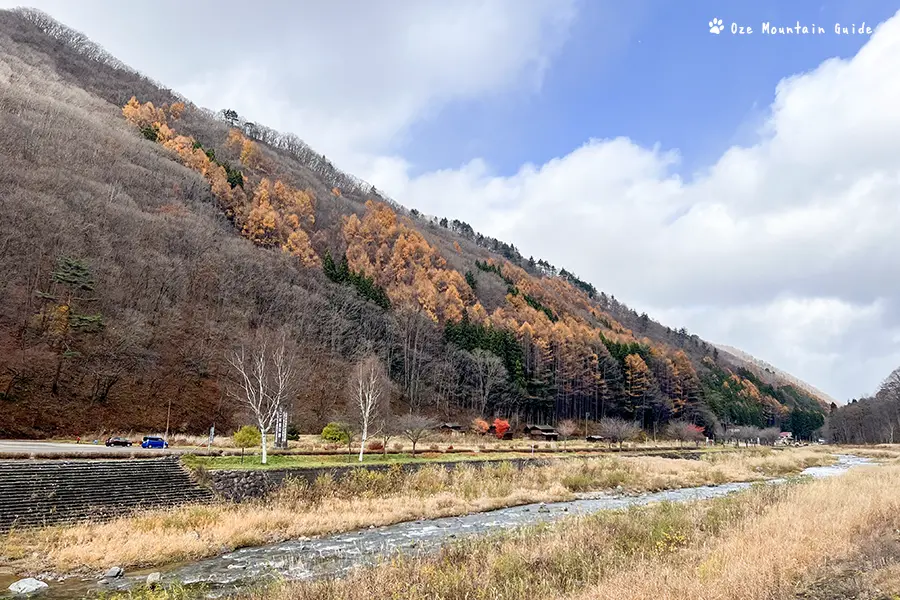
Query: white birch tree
{"points": [[265, 379], [368, 398]]}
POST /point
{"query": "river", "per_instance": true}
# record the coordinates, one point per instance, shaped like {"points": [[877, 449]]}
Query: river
{"points": [[333, 555]]}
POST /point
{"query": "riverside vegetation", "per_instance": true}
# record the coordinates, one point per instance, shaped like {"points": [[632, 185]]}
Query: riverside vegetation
{"points": [[774, 542], [358, 500], [828, 539]]}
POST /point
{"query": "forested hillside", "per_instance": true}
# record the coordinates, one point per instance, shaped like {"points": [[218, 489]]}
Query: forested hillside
{"points": [[871, 420], [142, 237]]}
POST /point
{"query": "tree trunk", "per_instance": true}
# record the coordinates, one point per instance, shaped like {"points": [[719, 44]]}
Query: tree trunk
{"points": [[362, 441], [414, 448], [265, 456]]}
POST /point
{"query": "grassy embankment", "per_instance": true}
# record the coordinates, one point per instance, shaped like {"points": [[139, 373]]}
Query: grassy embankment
{"points": [[363, 498], [288, 461]]}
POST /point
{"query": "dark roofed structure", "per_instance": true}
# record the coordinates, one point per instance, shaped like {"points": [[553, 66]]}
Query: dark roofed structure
{"points": [[541, 432]]}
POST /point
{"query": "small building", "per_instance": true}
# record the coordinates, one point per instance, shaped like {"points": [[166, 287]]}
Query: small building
{"points": [[541, 432], [594, 438], [784, 438], [451, 428]]}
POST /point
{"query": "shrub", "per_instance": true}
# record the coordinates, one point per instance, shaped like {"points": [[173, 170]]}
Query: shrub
{"points": [[333, 432], [501, 426], [480, 426], [433, 447], [293, 433], [375, 445], [397, 447], [247, 437], [578, 482]]}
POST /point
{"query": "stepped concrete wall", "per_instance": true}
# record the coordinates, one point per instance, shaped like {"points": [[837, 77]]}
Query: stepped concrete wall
{"points": [[47, 492]]}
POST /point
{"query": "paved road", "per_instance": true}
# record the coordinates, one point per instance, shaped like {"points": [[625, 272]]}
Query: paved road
{"points": [[39, 448]]}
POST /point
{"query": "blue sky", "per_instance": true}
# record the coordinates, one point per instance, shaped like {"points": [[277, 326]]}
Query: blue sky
{"points": [[650, 71]]}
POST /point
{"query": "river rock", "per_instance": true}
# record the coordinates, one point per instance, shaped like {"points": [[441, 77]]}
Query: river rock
{"points": [[28, 586], [153, 579], [114, 573]]}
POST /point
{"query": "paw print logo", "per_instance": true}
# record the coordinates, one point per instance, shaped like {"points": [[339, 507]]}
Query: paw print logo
{"points": [[715, 26]]}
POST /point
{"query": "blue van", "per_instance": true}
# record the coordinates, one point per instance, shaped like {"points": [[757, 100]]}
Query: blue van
{"points": [[154, 442]]}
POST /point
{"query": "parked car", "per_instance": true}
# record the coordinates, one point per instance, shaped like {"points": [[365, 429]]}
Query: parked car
{"points": [[118, 441], [154, 442]]}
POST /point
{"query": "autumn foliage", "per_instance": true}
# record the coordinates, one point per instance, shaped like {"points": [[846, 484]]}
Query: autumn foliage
{"points": [[501, 426], [558, 347], [480, 426], [399, 259], [271, 214]]}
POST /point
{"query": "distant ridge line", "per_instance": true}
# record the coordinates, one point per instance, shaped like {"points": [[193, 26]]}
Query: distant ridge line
{"points": [[758, 362]]}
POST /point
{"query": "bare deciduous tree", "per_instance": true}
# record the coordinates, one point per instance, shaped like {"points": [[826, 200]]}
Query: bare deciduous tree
{"points": [[684, 431], [618, 430], [415, 427], [265, 379], [489, 371], [368, 398], [566, 428]]}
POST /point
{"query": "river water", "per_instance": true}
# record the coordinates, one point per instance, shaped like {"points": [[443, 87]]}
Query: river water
{"points": [[333, 555]]}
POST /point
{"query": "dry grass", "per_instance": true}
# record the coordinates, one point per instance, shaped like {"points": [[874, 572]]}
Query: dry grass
{"points": [[769, 542], [363, 498], [642, 474], [776, 553], [872, 573], [880, 452]]}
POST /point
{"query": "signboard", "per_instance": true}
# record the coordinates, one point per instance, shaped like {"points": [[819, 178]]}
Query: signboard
{"points": [[281, 420]]}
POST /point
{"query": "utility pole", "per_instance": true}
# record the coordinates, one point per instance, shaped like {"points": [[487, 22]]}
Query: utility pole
{"points": [[168, 417]]}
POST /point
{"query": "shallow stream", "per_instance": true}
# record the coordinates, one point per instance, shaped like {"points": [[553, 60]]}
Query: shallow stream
{"points": [[335, 554]]}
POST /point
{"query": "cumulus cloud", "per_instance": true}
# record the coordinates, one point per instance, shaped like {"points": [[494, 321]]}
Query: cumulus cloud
{"points": [[787, 248], [350, 77]]}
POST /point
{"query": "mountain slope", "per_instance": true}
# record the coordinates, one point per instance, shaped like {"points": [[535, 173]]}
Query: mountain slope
{"points": [[143, 237], [774, 374]]}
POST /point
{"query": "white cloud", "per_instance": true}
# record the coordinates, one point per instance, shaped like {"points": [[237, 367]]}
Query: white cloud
{"points": [[349, 77], [787, 248]]}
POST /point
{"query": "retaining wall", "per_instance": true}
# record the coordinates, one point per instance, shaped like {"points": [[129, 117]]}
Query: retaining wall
{"points": [[48, 492]]}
